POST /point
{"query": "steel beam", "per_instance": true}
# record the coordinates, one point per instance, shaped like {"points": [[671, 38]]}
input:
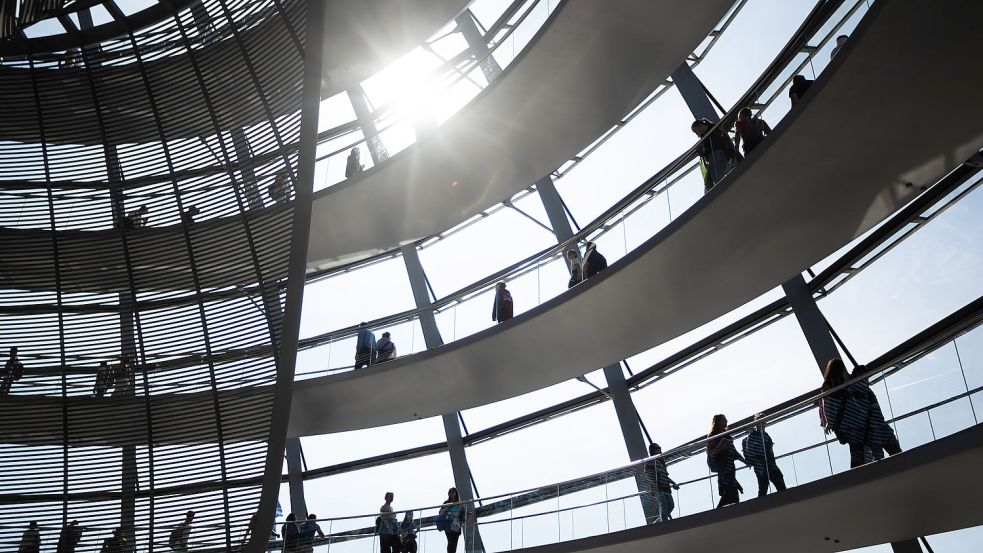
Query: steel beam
{"points": [[286, 353], [452, 428]]}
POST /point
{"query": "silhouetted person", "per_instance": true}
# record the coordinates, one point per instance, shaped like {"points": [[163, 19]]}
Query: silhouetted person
{"points": [[308, 530], [408, 530], [364, 346], [721, 455], [451, 518], [115, 543], [760, 454], [662, 486], [30, 540], [188, 215], [502, 308], [72, 59], [751, 130], [13, 370], [800, 85], [123, 377], [291, 535], [136, 218], [854, 415], [69, 538], [278, 188], [104, 380], [576, 271], [840, 41], [354, 163], [388, 526], [717, 153], [594, 262], [181, 534], [385, 349]]}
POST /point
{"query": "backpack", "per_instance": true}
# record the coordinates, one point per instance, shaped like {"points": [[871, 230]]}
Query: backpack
{"points": [[175, 536], [443, 519], [711, 460]]}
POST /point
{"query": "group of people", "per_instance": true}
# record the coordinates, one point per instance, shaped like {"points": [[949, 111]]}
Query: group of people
{"points": [[298, 536], [718, 154], [851, 413], [401, 537], [369, 351], [118, 378], [71, 535], [593, 263]]}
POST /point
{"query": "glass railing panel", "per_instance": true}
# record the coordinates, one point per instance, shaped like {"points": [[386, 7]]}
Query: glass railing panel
{"points": [[935, 377]]}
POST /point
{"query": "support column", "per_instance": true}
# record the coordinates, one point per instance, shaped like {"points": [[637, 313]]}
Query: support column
{"points": [[695, 96], [625, 410], [285, 351], [627, 415], [476, 44], [295, 478], [129, 474], [274, 311], [691, 89], [360, 104], [811, 321], [452, 428]]}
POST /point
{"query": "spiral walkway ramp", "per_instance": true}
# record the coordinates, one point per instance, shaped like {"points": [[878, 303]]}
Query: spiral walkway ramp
{"points": [[634, 49], [807, 191]]}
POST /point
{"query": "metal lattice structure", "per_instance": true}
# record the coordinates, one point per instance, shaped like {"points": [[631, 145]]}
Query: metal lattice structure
{"points": [[87, 278]]}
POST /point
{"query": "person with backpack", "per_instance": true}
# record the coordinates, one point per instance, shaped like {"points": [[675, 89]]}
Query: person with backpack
{"points": [[291, 534], [658, 475], [408, 530], [502, 309], [365, 346], [752, 130], [721, 455], [450, 519], [179, 536], [760, 454], [717, 152], [388, 526], [385, 349], [12, 370], [854, 415]]}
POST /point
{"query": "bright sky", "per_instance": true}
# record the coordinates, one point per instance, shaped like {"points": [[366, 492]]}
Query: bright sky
{"points": [[934, 272]]}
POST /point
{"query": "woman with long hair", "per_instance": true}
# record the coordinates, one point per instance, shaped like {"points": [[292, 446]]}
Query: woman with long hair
{"points": [[854, 415], [451, 519], [721, 455]]}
